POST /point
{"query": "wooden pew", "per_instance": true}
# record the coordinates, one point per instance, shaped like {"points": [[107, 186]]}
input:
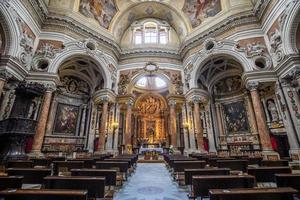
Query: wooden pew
{"points": [[94, 185], [213, 162], [129, 161], [201, 184], [274, 163], [189, 173], [267, 174], [43, 194], [109, 174], [239, 165], [180, 166], [288, 180], [19, 164], [67, 164], [253, 193], [88, 162], [45, 162], [31, 175], [10, 182], [122, 166]]}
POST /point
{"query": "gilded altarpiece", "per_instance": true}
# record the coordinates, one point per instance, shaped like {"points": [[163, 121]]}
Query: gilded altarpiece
{"points": [[150, 110]]}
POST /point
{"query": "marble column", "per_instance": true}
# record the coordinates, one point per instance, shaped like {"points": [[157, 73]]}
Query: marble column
{"points": [[252, 116], [128, 145], [219, 119], [101, 146], [210, 133], [2, 83], [41, 126], [262, 127], [293, 138], [173, 128], [198, 124], [82, 126]]}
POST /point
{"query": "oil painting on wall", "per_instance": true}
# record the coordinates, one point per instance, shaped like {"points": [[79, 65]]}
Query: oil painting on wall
{"points": [[236, 118], [101, 10], [66, 119], [199, 10]]}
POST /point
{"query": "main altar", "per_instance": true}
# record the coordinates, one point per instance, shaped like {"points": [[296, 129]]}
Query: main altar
{"points": [[151, 112]]}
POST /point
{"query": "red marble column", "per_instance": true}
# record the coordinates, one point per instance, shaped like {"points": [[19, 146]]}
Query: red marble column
{"points": [[101, 145], [2, 83], [41, 126], [173, 129], [262, 127], [198, 124], [128, 133]]}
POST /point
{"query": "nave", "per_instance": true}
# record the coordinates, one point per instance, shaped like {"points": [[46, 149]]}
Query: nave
{"points": [[151, 181]]}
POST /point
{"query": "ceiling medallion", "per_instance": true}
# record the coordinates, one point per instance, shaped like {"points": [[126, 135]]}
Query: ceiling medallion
{"points": [[151, 67]]}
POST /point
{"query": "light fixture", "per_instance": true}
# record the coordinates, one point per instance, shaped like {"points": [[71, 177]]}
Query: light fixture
{"points": [[151, 67], [186, 125], [115, 125]]}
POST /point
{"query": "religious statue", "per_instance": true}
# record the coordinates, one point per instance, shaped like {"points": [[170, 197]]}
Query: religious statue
{"points": [[273, 111]]}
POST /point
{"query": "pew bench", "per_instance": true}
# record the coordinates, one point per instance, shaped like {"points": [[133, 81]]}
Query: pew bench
{"points": [[202, 184], [121, 166], [274, 163], [109, 174], [19, 164], [189, 173], [180, 166], [94, 185], [234, 165], [67, 165], [43, 194], [266, 175], [253, 193], [10, 182], [288, 180], [31, 175]]}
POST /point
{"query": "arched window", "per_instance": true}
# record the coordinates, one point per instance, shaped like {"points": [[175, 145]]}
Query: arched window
{"points": [[150, 33]]}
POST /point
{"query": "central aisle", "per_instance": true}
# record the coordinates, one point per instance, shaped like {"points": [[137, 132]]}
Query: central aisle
{"points": [[151, 181]]}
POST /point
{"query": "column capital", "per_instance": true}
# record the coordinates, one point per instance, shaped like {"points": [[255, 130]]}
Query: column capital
{"points": [[172, 102], [252, 85], [285, 82], [50, 87], [4, 75], [129, 103]]}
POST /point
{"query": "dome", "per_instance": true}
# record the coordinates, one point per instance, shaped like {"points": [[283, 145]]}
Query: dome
{"points": [[151, 82]]}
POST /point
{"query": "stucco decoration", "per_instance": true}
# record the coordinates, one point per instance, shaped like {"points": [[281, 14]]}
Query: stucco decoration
{"points": [[101, 10], [199, 10]]}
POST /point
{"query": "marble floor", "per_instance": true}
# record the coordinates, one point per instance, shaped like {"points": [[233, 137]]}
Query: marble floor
{"points": [[151, 181]]}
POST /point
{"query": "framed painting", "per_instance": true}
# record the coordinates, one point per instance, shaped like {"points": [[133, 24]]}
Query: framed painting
{"points": [[236, 119], [66, 119]]}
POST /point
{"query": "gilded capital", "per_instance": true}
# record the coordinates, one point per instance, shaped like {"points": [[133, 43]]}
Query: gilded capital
{"points": [[252, 85]]}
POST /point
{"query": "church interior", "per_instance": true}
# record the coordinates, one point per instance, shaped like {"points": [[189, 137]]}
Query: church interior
{"points": [[150, 99]]}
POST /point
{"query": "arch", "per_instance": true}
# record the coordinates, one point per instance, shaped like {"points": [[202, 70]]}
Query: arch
{"points": [[201, 60], [165, 105], [136, 11], [289, 27], [163, 76], [10, 28], [77, 52]]}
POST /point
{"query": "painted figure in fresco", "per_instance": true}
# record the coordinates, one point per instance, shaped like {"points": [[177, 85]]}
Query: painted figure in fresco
{"points": [[66, 119], [198, 10], [236, 117], [101, 10], [273, 111]]}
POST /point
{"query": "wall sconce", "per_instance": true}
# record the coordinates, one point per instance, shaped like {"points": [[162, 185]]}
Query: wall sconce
{"points": [[115, 125], [186, 125]]}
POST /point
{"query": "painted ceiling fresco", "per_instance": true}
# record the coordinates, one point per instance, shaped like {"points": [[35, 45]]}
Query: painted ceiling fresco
{"points": [[199, 10], [101, 10]]}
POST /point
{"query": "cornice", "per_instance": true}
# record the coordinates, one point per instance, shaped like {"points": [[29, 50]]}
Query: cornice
{"points": [[12, 65], [225, 25], [287, 64], [64, 22], [129, 54], [260, 76]]}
